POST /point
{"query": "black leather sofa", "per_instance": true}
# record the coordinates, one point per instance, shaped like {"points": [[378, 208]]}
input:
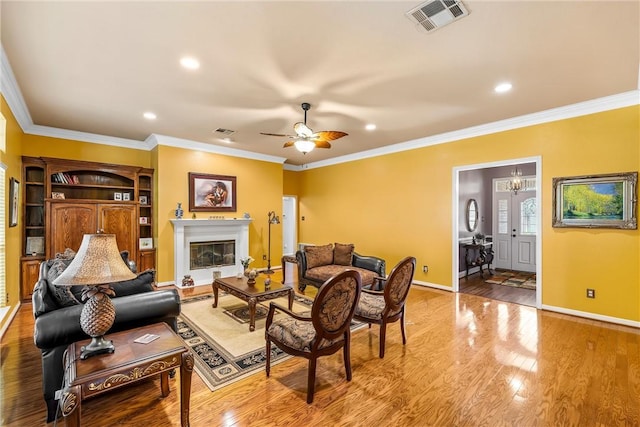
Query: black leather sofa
{"points": [[58, 324]]}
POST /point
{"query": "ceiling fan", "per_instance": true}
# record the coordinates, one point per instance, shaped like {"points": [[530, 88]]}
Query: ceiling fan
{"points": [[306, 139]]}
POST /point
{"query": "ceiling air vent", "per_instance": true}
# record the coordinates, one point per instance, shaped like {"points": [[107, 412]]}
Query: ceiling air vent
{"points": [[225, 132], [431, 15]]}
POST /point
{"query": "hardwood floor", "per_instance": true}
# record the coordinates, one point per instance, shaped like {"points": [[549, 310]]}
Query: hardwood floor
{"points": [[475, 285], [468, 361]]}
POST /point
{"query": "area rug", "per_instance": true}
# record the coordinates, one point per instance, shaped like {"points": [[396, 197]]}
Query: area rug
{"points": [[224, 350], [515, 279]]}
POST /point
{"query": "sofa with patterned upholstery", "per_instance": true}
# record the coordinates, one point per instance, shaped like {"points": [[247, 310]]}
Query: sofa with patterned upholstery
{"points": [[317, 263]]}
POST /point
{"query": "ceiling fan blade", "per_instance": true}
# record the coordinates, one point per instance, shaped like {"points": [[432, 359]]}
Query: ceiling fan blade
{"points": [[288, 144], [322, 144], [281, 135], [302, 130], [328, 135]]}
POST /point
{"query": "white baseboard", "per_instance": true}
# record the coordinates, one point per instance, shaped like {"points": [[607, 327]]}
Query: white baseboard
{"points": [[594, 316], [577, 313], [432, 285]]}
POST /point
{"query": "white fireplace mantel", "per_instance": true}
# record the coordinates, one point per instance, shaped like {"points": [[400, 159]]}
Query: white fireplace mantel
{"points": [[187, 231]]}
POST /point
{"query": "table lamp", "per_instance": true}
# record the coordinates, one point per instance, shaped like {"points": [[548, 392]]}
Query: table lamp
{"points": [[97, 264]]}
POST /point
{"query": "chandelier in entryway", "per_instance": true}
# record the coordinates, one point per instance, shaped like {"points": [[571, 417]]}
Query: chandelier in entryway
{"points": [[515, 183]]}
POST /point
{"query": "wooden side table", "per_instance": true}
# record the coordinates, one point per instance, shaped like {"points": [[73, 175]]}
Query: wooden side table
{"points": [[131, 362]]}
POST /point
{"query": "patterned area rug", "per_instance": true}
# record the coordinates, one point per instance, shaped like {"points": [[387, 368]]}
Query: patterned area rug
{"points": [[515, 279], [224, 349]]}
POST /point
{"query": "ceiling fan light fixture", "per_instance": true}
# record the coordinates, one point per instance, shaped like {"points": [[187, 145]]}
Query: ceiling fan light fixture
{"points": [[304, 146]]}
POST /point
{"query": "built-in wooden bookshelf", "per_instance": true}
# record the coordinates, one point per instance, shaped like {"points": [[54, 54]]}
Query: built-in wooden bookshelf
{"points": [[66, 199]]}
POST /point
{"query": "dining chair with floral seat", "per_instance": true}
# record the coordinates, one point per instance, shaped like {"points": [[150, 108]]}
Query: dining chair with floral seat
{"points": [[322, 332], [388, 305]]}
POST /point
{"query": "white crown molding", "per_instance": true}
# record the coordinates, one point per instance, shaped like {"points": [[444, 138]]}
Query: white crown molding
{"points": [[11, 91], [593, 106], [200, 146]]}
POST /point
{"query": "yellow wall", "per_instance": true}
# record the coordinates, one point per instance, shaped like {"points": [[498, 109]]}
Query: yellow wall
{"points": [[11, 158], [44, 146], [259, 190], [397, 204], [400, 204]]}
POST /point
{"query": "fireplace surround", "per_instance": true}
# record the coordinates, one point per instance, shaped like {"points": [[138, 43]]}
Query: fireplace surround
{"points": [[188, 231]]}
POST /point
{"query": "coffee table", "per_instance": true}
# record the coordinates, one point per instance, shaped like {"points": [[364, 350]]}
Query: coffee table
{"points": [[130, 362], [252, 294]]}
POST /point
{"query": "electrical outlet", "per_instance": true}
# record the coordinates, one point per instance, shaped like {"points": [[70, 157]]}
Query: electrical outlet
{"points": [[264, 257], [591, 293], [425, 269]]}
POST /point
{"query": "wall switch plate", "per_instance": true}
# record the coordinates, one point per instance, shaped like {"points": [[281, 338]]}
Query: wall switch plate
{"points": [[591, 293], [264, 257], [425, 269]]}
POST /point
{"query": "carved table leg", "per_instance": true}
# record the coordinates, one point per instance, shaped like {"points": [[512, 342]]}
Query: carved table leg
{"points": [[291, 292], [252, 314], [186, 368], [72, 406], [215, 295], [164, 383]]}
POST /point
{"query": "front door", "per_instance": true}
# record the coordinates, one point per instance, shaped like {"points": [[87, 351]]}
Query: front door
{"points": [[514, 225]]}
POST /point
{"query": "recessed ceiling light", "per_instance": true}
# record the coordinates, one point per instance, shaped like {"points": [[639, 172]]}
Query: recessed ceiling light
{"points": [[190, 63], [370, 126], [149, 115], [503, 87]]}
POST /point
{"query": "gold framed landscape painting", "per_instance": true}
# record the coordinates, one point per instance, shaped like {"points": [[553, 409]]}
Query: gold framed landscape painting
{"points": [[596, 201]]}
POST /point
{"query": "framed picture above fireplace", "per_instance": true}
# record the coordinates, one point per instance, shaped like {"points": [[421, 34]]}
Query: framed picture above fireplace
{"points": [[212, 193]]}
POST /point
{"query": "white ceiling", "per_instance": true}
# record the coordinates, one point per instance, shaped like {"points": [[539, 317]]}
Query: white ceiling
{"points": [[96, 67]]}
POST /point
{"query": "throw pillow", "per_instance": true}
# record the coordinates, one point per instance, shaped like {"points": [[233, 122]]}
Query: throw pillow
{"points": [[319, 255], [343, 253], [61, 294], [142, 283]]}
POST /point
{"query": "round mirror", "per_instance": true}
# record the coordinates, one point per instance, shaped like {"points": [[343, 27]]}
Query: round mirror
{"points": [[472, 215]]}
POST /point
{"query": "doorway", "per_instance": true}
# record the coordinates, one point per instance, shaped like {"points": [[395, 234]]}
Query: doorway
{"points": [[289, 235], [477, 182]]}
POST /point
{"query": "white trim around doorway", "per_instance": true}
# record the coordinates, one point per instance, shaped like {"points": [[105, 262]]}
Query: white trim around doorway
{"points": [[455, 209]]}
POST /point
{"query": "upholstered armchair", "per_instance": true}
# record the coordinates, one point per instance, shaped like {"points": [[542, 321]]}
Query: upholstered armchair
{"points": [[325, 331], [386, 306]]}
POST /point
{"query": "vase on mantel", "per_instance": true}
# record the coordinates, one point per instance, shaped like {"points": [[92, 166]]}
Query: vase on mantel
{"points": [[179, 211]]}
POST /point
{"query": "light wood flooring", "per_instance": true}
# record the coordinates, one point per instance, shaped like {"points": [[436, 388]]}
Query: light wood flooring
{"points": [[469, 361]]}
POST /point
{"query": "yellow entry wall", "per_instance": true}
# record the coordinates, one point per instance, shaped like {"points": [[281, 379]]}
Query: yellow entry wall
{"points": [[401, 204]]}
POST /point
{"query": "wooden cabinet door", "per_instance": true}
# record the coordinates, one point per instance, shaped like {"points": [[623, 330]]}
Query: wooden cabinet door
{"points": [[121, 221], [146, 260], [30, 272], [68, 223]]}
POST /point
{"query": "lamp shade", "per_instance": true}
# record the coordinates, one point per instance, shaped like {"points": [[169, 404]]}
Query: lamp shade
{"points": [[97, 262]]}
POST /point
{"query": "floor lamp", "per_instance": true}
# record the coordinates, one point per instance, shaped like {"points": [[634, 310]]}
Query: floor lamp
{"points": [[273, 219]]}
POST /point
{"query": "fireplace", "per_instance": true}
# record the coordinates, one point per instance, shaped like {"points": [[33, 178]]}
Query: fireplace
{"points": [[204, 245], [212, 254]]}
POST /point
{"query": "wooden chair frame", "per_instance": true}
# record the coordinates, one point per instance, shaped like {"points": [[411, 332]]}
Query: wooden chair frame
{"points": [[340, 333]]}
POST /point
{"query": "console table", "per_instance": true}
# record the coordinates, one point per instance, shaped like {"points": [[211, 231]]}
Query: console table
{"points": [[477, 255], [130, 362]]}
